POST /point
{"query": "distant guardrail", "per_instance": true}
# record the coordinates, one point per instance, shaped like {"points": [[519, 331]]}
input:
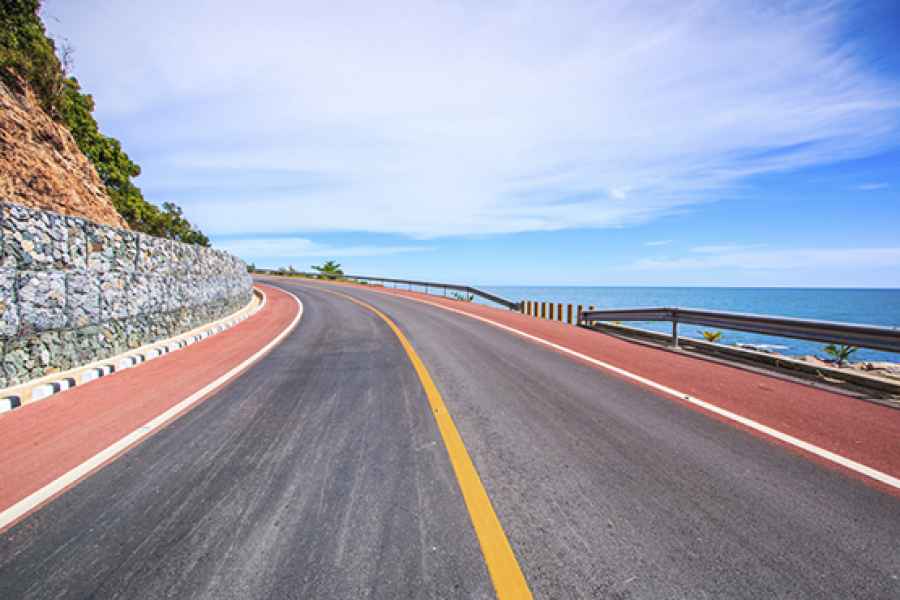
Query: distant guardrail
{"points": [[864, 336], [466, 289]]}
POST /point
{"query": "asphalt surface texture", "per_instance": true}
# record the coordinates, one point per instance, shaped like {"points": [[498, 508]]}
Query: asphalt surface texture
{"points": [[320, 473]]}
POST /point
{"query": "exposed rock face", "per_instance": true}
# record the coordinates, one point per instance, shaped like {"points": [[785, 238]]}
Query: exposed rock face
{"points": [[41, 165]]}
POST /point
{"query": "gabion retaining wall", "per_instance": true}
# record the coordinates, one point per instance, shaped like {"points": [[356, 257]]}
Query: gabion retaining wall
{"points": [[73, 291]]}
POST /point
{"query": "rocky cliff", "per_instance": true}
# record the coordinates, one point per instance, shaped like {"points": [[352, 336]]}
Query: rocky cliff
{"points": [[41, 166]]}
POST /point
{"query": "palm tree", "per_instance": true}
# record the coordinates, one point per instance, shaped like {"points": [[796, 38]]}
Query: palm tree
{"points": [[840, 352], [329, 270]]}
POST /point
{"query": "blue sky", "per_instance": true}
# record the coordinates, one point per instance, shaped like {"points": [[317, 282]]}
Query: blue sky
{"points": [[650, 143]]}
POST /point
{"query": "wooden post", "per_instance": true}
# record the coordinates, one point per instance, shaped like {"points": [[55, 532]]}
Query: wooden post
{"points": [[543, 310], [580, 310], [569, 314], [559, 312]]}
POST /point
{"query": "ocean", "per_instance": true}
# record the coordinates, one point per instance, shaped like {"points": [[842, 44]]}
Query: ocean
{"points": [[868, 306]]}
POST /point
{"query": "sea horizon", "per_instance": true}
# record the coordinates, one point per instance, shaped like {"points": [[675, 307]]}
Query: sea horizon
{"points": [[869, 306]]}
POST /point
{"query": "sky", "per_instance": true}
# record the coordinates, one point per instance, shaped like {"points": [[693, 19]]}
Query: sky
{"points": [[515, 143]]}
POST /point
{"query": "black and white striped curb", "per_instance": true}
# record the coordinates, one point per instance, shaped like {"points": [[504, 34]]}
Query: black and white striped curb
{"points": [[121, 362]]}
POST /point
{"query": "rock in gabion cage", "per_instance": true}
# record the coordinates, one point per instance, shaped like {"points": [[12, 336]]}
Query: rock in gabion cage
{"points": [[73, 292]]}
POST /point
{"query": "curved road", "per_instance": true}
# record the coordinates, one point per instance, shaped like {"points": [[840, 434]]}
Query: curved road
{"points": [[320, 473]]}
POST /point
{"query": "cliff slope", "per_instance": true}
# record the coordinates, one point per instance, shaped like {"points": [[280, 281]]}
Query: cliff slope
{"points": [[42, 167]]}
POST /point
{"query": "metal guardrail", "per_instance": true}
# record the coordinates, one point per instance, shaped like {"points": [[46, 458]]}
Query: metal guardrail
{"points": [[426, 284], [864, 336]]}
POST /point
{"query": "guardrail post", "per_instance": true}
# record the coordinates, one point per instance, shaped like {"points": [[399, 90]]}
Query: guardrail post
{"points": [[674, 328]]}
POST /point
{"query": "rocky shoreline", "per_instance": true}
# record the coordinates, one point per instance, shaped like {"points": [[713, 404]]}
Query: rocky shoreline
{"points": [[878, 368]]}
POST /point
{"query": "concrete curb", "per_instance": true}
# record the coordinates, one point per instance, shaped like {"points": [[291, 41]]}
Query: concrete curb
{"points": [[38, 389]]}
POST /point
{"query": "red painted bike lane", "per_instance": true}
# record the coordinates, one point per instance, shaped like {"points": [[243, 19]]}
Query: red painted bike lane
{"points": [[40, 442]]}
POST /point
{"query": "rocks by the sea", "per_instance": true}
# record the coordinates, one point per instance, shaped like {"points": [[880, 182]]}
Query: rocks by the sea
{"points": [[880, 368], [877, 368], [815, 360]]}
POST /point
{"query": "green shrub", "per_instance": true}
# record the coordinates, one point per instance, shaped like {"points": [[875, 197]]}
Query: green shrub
{"points": [[462, 297], [329, 270], [840, 352]]}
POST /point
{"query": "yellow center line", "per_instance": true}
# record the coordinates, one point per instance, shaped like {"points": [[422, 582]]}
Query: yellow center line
{"points": [[506, 575]]}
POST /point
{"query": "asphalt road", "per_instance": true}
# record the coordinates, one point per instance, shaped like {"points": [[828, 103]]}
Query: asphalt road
{"points": [[320, 473]]}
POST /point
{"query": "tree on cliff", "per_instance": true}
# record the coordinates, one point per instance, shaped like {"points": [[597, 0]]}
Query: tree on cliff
{"points": [[27, 54]]}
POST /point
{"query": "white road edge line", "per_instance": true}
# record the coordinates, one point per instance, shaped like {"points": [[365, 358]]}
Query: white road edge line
{"points": [[843, 461], [24, 506]]}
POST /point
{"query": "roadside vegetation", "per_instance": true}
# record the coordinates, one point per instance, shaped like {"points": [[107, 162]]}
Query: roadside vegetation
{"points": [[329, 270], [840, 353], [28, 56], [712, 336]]}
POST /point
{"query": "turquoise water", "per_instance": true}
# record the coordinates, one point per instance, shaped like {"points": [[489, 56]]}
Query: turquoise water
{"points": [[869, 306]]}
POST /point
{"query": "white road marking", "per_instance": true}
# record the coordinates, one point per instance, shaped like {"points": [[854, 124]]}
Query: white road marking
{"points": [[26, 505], [843, 461]]}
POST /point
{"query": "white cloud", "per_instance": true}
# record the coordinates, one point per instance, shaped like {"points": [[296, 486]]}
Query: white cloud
{"points": [[724, 248], [458, 118], [867, 187], [296, 247], [776, 259], [658, 243]]}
